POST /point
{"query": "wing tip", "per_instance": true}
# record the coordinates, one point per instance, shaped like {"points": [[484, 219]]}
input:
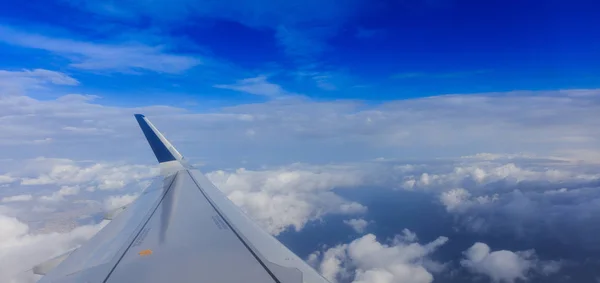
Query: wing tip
{"points": [[159, 147]]}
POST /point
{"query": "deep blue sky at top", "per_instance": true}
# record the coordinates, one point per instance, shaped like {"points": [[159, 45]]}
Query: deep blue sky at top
{"points": [[326, 49]]}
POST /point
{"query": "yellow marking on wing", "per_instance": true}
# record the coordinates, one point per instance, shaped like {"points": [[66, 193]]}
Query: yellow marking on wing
{"points": [[145, 252]]}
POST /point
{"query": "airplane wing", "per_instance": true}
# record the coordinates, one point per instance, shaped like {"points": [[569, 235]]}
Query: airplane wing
{"points": [[181, 229]]}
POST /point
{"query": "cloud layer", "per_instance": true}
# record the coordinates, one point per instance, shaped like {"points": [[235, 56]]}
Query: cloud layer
{"points": [[339, 131], [266, 156]]}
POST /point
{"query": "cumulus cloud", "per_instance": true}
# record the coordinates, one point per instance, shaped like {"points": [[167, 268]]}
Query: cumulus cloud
{"points": [[359, 225], [20, 250], [60, 194], [278, 198], [460, 199], [407, 236], [291, 196], [499, 265], [368, 260], [485, 174], [113, 202], [503, 265], [101, 176], [527, 197]]}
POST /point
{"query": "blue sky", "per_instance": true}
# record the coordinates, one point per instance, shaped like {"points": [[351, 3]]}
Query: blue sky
{"points": [[326, 50]]}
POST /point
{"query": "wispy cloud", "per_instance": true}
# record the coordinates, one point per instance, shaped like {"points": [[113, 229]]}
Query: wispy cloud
{"points": [[446, 75], [17, 198], [323, 80], [122, 57], [16, 82], [257, 86], [359, 225], [307, 48]]}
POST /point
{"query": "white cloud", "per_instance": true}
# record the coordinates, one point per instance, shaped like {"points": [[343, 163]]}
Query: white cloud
{"points": [[102, 176], [17, 198], [359, 225], [17, 82], [257, 86], [366, 260], [282, 126], [407, 236], [291, 196], [5, 178], [458, 200], [27, 121], [128, 57], [38, 76], [524, 195], [61, 194], [56, 194], [323, 80], [331, 265], [453, 199], [113, 202], [20, 250], [484, 173], [503, 265]]}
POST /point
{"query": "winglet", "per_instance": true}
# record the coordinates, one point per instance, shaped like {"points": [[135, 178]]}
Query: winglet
{"points": [[162, 148]]}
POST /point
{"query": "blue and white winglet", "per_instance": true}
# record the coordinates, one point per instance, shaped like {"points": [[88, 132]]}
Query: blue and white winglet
{"points": [[181, 229]]}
